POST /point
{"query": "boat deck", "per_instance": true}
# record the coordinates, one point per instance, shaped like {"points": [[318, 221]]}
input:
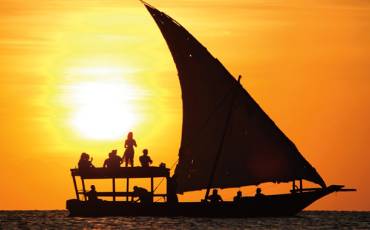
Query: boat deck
{"points": [[122, 172], [269, 205], [119, 173]]}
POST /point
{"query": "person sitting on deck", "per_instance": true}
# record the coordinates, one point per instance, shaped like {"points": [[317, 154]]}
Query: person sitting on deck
{"points": [[85, 163], [238, 197], [92, 194], [259, 193], [215, 198], [114, 161], [145, 159], [143, 194]]}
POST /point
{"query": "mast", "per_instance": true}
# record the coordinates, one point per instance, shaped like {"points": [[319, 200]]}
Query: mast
{"points": [[215, 163]]}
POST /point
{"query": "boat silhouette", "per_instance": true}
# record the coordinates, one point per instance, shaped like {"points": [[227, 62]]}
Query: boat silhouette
{"points": [[227, 141]]}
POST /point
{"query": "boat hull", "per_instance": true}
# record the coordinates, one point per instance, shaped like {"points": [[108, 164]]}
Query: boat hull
{"points": [[269, 206]]}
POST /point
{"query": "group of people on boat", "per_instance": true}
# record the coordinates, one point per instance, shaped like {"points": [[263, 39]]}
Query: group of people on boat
{"points": [[215, 198], [115, 161], [144, 196]]}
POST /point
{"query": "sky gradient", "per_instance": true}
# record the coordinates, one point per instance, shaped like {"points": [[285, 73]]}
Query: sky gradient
{"points": [[78, 75]]}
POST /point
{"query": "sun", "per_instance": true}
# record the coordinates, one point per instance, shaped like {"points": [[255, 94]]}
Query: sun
{"points": [[103, 108]]}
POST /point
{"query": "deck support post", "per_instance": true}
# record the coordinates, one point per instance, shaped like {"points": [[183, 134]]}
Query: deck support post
{"points": [[114, 188], [83, 187], [167, 187], [75, 186], [300, 185], [293, 186], [127, 187], [152, 185]]}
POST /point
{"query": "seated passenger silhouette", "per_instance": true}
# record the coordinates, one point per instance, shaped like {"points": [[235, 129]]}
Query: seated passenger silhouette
{"points": [[113, 160], [92, 194], [215, 198], [143, 194], [145, 159], [238, 197], [85, 163], [259, 193]]}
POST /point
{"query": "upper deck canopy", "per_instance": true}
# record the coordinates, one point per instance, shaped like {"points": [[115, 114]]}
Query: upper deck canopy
{"points": [[124, 172]]}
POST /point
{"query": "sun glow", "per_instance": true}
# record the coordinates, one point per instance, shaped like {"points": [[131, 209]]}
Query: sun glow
{"points": [[104, 108]]}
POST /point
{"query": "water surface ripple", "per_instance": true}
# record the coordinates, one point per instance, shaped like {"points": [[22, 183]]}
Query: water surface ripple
{"points": [[305, 220]]}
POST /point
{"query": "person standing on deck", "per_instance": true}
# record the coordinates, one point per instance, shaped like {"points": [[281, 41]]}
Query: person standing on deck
{"points": [[128, 156]]}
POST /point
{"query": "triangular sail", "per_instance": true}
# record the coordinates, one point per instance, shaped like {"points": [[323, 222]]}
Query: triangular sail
{"points": [[254, 149]]}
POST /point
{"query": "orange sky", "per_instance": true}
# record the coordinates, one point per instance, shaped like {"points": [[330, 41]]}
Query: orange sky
{"points": [[77, 75]]}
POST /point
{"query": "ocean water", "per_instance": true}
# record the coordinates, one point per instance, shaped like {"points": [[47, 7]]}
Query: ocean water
{"points": [[305, 220]]}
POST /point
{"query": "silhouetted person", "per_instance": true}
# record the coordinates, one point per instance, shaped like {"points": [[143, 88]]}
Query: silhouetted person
{"points": [[143, 194], [113, 160], [238, 197], [215, 198], [145, 159], [92, 194], [85, 163], [259, 193], [128, 156]]}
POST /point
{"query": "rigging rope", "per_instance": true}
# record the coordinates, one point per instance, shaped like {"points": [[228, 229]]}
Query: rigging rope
{"points": [[155, 189]]}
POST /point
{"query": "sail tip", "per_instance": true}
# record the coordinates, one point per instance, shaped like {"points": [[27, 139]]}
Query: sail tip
{"points": [[146, 4]]}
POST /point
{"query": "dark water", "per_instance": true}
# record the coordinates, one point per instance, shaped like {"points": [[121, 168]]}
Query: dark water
{"points": [[305, 220]]}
